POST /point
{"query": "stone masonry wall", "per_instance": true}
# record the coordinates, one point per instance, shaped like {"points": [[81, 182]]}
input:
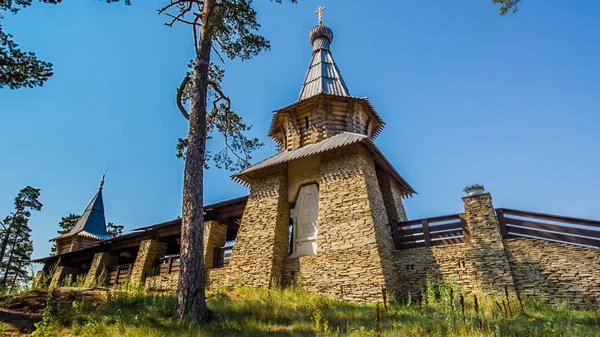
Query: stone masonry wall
{"points": [[97, 269], [392, 197], [221, 277], [452, 264], [215, 235], [555, 272], [397, 195], [162, 283], [354, 259], [489, 257], [60, 273], [261, 244], [149, 251]]}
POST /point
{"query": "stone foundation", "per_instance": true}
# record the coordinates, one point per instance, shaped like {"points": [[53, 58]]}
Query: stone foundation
{"points": [[162, 283]]}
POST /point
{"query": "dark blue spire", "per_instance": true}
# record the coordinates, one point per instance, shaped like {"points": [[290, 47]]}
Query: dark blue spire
{"points": [[92, 222]]}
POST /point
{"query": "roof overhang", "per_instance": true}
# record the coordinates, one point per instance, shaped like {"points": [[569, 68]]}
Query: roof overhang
{"points": [[221, 210], [338, 141]]}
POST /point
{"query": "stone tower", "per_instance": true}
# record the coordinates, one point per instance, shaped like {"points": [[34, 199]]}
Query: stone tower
{"points": [[90, 228], [318, 210]]}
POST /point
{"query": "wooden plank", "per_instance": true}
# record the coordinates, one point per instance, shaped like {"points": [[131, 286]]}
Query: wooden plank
{"points": [[426, 236], [556, 228], [552, 217], [412, 245], [448, 234], [554, 236], [412, 238], [502, 223], [465, 227], [450, 226], [395, 234], [404, 232], [430, 220], [447, 241]]}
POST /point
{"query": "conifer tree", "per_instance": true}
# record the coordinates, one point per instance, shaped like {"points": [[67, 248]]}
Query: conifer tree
{"points": [[19, 249], [16, 245], [114, 230]]}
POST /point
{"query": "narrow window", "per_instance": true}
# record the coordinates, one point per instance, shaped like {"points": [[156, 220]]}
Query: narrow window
{"points": [[306, 122]]}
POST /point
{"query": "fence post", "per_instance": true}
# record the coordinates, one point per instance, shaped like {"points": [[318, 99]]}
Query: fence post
{"points": [[502, 223], [426, 236]]}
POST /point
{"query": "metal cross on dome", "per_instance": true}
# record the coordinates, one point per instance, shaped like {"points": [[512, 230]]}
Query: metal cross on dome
{"points": [[318, 11]]}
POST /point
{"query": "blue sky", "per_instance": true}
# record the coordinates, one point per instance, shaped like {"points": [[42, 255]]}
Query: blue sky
{"points": [[468, 96]]}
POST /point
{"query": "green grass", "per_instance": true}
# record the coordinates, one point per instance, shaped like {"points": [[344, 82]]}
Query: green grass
{"points": [[291, 312]]}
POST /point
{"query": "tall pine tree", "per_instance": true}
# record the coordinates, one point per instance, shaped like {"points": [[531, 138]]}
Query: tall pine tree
{"points": [[16, 245]]}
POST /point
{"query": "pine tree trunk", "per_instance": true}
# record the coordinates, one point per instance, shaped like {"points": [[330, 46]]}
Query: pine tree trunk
{"points": [[8, 265], [191, 304], [16, 275], [7, 237]]}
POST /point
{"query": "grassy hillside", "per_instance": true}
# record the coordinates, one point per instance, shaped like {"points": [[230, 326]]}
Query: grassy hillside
{"points": [[290, 312]]}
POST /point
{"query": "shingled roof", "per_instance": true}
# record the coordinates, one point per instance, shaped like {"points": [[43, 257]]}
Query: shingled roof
{"points": [[92, 222], [340, 140], [323, 75]]}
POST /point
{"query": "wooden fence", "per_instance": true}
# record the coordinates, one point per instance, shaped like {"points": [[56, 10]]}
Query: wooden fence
{"points": [[167, 265], [436, 231], [118, 274], [222, 256], [517, 224]]}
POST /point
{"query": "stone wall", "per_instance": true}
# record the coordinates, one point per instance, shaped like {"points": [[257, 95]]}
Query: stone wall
{"points": [[452, 264], [149, 252], [162, 283], [354, 248], [60, 273], [397, 197], [222, 277], [392, 196], [555, 272], [97, 269], [215, 235], [291, 270], [491, 264], [261, 243]]}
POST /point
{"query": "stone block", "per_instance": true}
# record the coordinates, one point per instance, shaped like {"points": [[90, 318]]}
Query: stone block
{"points": [[97, 269], [149, 252]]}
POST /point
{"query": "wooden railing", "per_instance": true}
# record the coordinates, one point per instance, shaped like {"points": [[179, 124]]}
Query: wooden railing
{"points": [[167, 265], [436, 231], [517, 224], [222, 256], [118, 274]]}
